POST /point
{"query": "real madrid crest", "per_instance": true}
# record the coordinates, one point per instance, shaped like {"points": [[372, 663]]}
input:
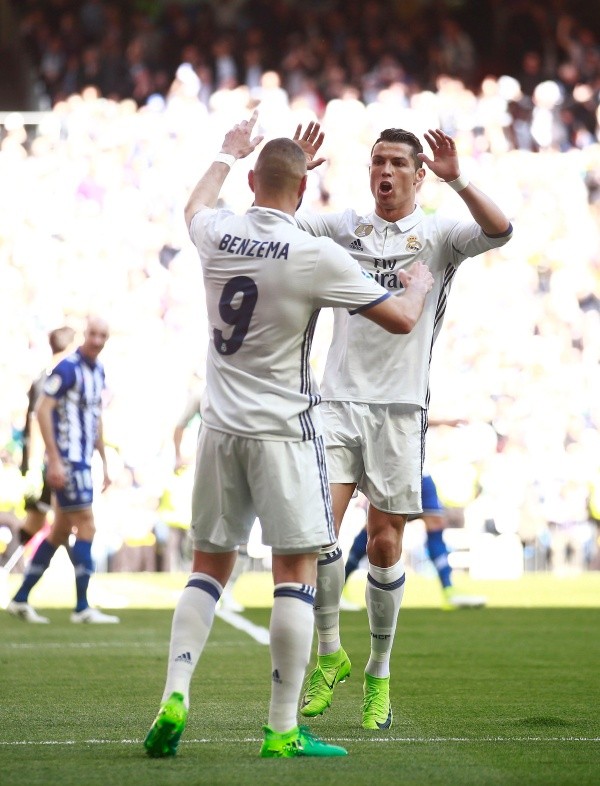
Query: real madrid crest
{"points": [[413, 243], [362, 230]]}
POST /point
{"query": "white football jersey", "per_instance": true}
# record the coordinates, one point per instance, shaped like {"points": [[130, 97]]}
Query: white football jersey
{"points": [[265, 281], [365, 363]]}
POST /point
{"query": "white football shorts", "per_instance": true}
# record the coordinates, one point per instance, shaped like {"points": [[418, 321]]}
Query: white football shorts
{"points": [[284, 484], [380, 448]]}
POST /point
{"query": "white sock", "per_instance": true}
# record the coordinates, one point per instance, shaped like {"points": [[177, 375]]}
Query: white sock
{"points": [[384, 593], [291, 632], [192, 620], [330, 583]]}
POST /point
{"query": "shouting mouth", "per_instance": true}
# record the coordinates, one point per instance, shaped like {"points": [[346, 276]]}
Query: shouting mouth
{"points": [[385, 187]]}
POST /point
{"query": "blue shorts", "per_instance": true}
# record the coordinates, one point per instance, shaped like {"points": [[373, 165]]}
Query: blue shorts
{"points": [[78, 491], [429, 496]]}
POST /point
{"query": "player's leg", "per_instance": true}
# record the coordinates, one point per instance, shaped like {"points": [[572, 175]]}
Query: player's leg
{"points": [[291, 629], [392, 484], [437, 551], [291, 632], [40, 561], [435, 523], [356, 553], [36, 510], [33, 523], [74, 515], [333, 665], [192, 622], [81, 524], [330, 577], [220, 484], [287, 530], [384, 593], [344, 467]]}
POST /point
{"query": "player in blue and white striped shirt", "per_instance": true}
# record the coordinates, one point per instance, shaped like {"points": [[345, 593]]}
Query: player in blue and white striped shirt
{"points": [[69, 413]]}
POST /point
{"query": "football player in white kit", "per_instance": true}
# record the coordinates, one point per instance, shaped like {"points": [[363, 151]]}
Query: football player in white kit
{"points": [[260, 447], [375, 388]]}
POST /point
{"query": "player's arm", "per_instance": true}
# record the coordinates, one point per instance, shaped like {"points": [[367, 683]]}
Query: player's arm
{"points": [[55, 472], [100, 447], [193, 407], [237, 144], [445, 165], [177, 440], [35, 445], [399, 313], [453, 422]]}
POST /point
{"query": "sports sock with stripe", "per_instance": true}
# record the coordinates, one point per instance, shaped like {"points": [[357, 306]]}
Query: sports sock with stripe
{"points": [[291, 632], [384, 593], [192, 620], [330, 583]]}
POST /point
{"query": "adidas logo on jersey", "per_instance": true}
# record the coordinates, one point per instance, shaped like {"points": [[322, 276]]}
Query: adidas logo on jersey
{"points": [[356, 245], [185, 657]]}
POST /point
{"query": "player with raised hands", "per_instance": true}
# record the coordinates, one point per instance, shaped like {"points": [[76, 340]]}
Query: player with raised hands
{"points": [[260, 447], [375, 388]]}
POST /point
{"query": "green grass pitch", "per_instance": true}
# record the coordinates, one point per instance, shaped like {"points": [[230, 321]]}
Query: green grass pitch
{"points": [[509, 694]]}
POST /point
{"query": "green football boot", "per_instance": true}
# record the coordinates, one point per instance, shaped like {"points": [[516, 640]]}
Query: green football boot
{"points": [[377, 710], [319, 685], [297, 742], [163, 738]]}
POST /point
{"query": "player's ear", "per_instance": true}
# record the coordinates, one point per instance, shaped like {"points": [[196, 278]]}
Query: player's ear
{"points": [[251, 180], [302, 186], [420, 175]]}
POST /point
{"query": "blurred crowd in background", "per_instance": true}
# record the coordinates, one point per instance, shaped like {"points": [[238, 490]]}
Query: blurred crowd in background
{"points": [[136, 99]]}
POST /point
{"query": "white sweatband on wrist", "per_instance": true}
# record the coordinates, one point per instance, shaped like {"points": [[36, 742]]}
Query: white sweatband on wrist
{"points": [[461, 182], [226, 158]]}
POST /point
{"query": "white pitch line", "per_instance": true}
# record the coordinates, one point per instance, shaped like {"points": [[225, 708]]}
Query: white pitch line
{"points": [[88, 645], [241, 740], [257, 632]]}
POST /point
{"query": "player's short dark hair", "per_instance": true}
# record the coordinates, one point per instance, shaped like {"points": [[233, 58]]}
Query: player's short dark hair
{"points": [[281, 163], [401, 137], [60, 338]]}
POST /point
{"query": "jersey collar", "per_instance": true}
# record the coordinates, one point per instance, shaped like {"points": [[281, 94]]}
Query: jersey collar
{"points": [[273, 211], [404, 224]]}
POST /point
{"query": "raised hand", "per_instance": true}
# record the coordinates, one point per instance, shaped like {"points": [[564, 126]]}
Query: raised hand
{"points": [[237, 141], [444, 163], [310, 141]]}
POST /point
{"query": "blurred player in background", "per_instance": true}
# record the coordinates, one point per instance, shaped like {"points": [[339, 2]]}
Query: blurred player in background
{"points": [[38, 505], [69, 413]]}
